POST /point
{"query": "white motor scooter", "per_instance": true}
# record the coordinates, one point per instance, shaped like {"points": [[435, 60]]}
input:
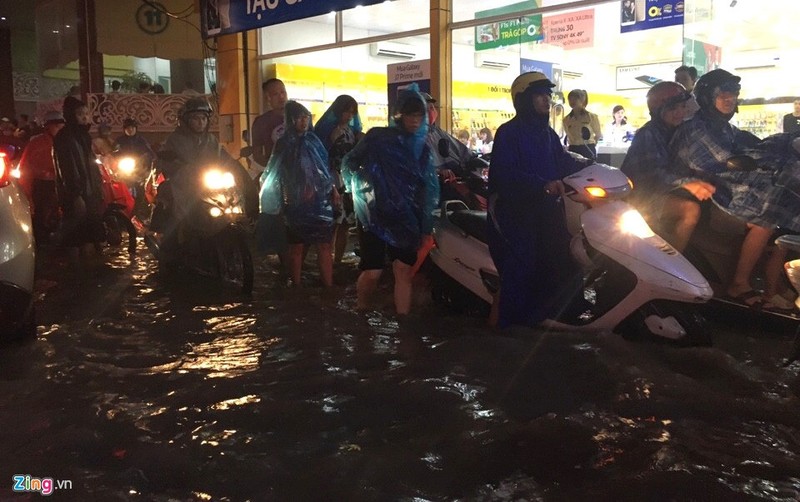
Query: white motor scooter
{"points": [[635, 283]]}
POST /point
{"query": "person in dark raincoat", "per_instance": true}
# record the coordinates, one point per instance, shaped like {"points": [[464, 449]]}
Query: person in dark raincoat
{"points": [[764, 198], [528, 236], [670, 199], [298, 183], [78, 181], [339, 128], [395, 190]]}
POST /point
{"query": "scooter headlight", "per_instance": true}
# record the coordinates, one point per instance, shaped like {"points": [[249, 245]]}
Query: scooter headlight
{"points": [[632, 222], [214, 179], [126, 165]]}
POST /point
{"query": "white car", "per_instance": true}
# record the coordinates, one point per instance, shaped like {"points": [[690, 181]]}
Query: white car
{"points": [[17, 257]]}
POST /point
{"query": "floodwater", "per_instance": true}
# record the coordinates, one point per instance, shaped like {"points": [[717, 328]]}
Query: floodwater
{"points": [[145, 386]]}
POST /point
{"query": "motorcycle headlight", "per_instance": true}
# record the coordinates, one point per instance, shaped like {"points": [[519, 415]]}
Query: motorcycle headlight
{"points": [[632, 222], [214, 179], [126, 165]]}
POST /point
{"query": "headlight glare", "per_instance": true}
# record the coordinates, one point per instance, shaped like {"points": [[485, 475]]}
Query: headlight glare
{"points": [[632, 222]]}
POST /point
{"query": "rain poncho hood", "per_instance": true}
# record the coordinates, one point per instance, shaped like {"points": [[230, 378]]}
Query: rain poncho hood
{"points": [[297, 181], [330, 119], [394, 185]]}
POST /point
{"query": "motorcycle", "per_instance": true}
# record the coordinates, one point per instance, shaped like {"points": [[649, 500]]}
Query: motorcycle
{"points": [[133, 171], [471, 185], [117, 210], [714, 250], [201, 226], [635, 283]]}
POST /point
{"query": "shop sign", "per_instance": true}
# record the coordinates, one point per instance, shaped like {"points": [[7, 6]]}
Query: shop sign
{"points": [[220, 17], [401, 75], [644, 76], [703, 56], [511, 32], [574, 30], [637, 15]]}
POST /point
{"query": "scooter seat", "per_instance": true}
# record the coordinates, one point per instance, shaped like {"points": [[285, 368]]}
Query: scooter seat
{"points": [[472, 222]]}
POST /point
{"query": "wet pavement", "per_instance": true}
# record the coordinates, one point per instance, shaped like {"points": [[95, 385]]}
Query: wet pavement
{"points": [[150, 386]]}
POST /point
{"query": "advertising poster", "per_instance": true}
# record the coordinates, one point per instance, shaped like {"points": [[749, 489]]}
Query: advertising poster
{"points": [[644, 76], [703, 56], [636, 15], [574, 30], [553, 72], [221, 17], [401, 75], [511, 32]]}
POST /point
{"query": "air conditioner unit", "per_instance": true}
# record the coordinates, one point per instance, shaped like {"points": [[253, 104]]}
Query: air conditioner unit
{"points": [[572, 74], [493, 61], [755, 60], [392, 50]]}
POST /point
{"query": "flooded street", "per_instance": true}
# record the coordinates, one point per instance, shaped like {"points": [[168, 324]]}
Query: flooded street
{"points": [[147, 386]]}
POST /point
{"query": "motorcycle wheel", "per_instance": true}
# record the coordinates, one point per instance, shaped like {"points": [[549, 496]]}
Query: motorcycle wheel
{"points": [[234, 260], [447, 292]]}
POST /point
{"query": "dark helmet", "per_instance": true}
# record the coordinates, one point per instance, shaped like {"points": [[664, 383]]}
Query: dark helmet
{"points": [[706, 85], [665, 94], [195, 105], [129, 122]]}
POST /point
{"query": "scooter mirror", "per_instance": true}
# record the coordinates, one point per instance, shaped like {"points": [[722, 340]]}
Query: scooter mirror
{"points": [[444, 147], [741, 163], [585, 133], [246, 151]]}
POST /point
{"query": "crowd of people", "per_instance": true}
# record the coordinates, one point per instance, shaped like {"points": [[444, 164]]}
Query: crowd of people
{"points": [[323, 182]]}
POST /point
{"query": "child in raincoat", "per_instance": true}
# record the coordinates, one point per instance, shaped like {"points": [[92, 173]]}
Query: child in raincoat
{"points": [[298, 184]]}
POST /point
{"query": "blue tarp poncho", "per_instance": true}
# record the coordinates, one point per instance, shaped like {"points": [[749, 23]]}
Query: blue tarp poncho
{"points": [[298, 183], [394, 184], [769, 196]]}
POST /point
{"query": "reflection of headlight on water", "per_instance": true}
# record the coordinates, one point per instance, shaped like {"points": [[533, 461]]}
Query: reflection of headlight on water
{"points": [[126, 165], [632, 222], [217, 212], [214, 179]]}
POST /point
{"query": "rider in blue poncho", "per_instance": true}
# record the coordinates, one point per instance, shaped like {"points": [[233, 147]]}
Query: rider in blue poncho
{"points": [[298, 184], [395, 190], [528, 237]]}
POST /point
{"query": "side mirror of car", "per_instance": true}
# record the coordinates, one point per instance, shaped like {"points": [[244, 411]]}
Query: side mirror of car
{"points": [[741, 163]]}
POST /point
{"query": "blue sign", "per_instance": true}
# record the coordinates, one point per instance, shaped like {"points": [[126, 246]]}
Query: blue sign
{"points": [[636, 15], [221, 17], [553, 73]]}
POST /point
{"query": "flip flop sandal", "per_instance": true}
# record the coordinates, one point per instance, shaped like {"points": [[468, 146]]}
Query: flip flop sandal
{"points": [[746, 299]]}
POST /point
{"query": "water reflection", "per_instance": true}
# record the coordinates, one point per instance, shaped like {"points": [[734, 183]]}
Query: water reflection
{"points": [[157, 387]]}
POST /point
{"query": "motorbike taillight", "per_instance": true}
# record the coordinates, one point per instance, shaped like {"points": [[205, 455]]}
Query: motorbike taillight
{"points": [[5, 170]]}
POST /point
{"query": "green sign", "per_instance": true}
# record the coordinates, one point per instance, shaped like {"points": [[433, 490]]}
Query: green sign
{"points": [[511, 32]]}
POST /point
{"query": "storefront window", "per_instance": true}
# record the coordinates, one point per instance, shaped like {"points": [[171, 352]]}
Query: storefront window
{"points": [[318, 30], [387, 17]]}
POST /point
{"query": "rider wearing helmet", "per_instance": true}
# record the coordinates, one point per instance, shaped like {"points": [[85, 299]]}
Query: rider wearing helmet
{"points": [[703, 145], [192, 147], [528, 237], [660, 190], [131, 143]]}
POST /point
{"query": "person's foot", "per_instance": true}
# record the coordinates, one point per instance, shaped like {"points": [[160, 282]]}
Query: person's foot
{"points": [[750, 297]]}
